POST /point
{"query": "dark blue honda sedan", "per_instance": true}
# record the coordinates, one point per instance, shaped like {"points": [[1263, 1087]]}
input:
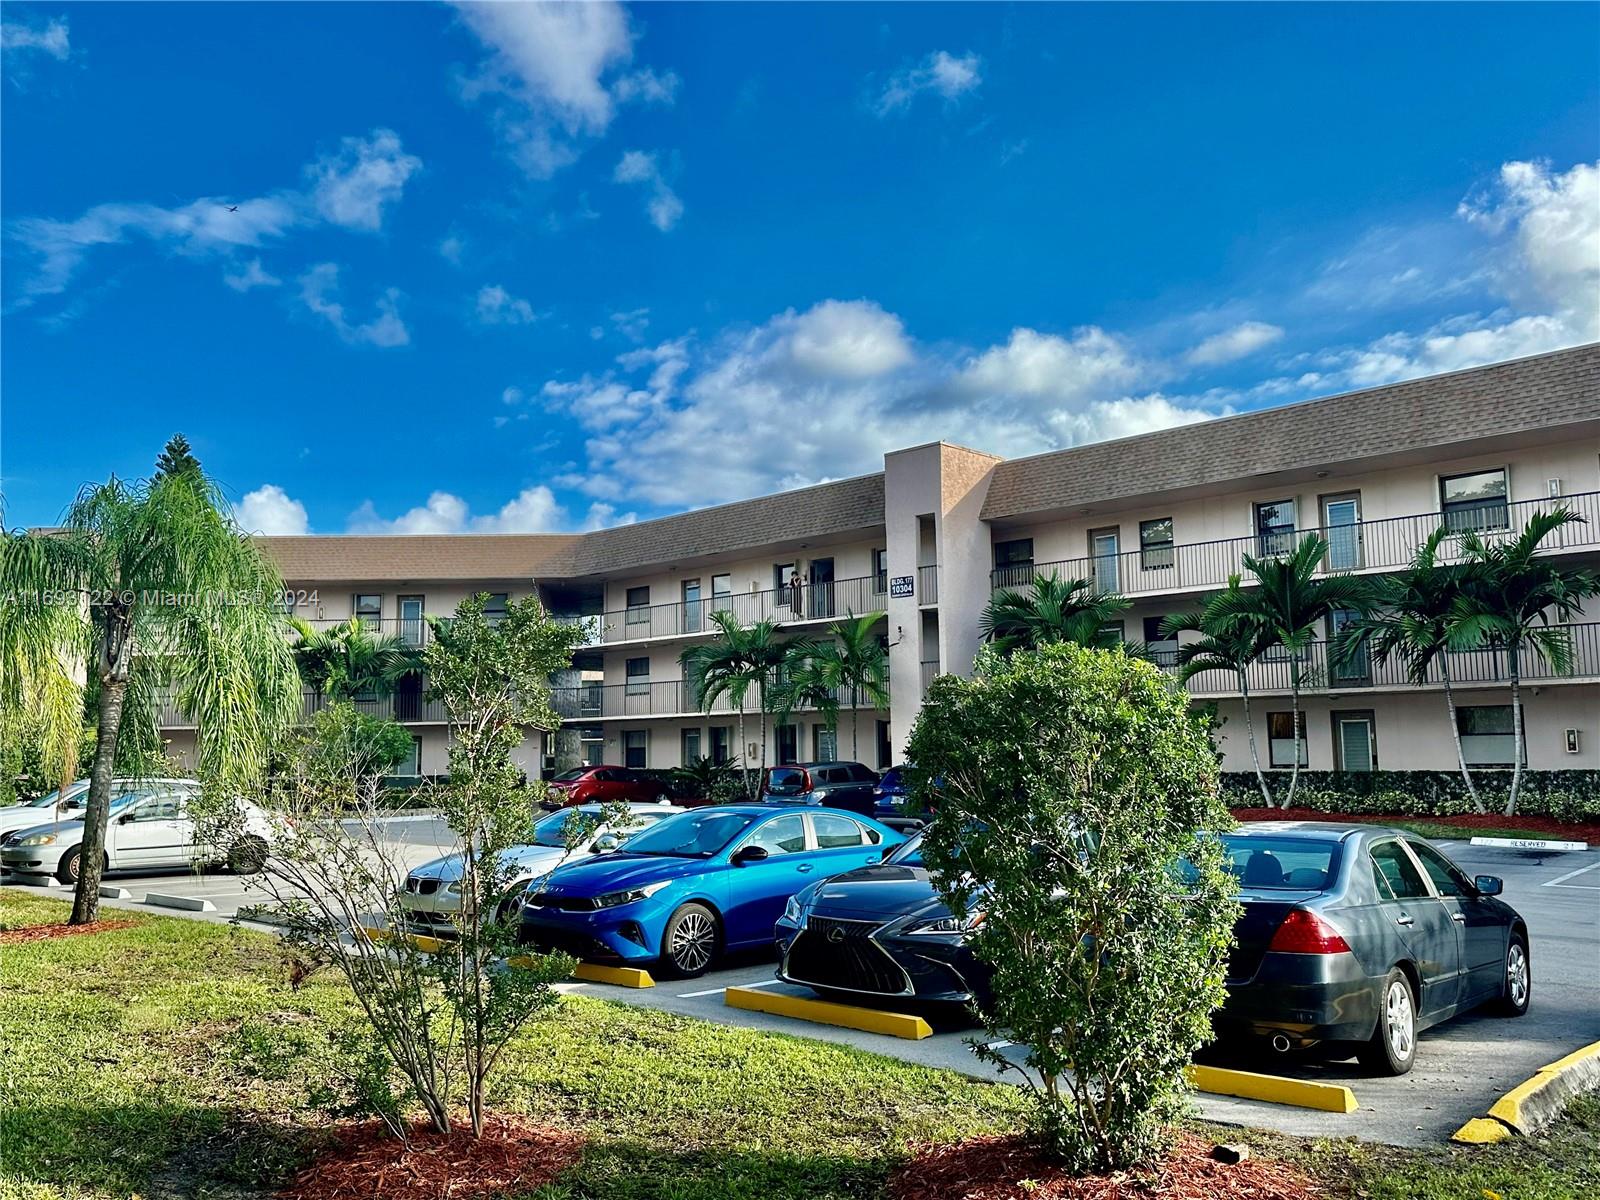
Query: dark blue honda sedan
{"points": [[693, 886]]}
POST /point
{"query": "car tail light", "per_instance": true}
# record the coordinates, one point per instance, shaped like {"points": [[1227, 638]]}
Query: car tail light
{"points": [[1303, 932]]}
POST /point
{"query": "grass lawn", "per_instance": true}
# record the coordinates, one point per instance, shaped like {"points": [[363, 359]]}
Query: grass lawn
{"points": [[169, 1059]]}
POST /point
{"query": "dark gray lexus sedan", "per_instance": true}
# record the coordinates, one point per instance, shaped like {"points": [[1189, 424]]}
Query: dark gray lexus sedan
{"points": [[1363, 935]]}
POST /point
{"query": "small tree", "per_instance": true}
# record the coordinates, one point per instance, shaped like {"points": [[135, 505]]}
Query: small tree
{"points": [[1056, 610], [851, 665], [741, 657], [1071, 785]]}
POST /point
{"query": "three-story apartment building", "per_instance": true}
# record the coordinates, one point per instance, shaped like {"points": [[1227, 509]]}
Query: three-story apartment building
{"points": [[1163, 518]]}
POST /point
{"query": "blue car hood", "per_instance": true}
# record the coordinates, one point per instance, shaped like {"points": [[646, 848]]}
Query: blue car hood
{"points": [[882, 892], [621, 871]]}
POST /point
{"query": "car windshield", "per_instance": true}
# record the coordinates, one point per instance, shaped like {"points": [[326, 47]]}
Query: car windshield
{"points": [[1279, 863], [907, 854], [573, 775], [552, 831], [891, 779], [786, 781], [690, 835]]}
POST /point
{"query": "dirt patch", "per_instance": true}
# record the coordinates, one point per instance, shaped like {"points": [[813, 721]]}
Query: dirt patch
{"points": [[1009, 1167], [1544, 826], [38, 933], [364, 1161]]}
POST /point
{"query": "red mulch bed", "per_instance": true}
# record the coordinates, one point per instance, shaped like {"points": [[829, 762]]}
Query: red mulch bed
{"points": [[364, 1162], [1547, 826], [1010, 1168], [37, 933]]}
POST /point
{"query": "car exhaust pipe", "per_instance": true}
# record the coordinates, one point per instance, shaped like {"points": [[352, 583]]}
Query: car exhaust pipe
{"points": [[1280, 1043]]}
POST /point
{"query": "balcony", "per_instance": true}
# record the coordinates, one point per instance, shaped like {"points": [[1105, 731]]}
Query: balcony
{"points": [[928, 584], [1271, 675], [412, 631], [1362, 545], [804, 601], [666, 698], [407, 708]]}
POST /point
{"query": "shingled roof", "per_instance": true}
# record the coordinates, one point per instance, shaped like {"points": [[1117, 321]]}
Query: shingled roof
{"points": [[360, 557], [1505, 398]]}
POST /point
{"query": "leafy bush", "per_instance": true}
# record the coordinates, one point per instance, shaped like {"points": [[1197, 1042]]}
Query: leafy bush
{"points": [[1565, 795], [1071, 784]]}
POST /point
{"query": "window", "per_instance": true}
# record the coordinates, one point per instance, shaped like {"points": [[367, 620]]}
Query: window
{"points": [[369, 608], [691, 746], [1341, 525], [693, 616], [722, 591], [411, 622], [1296, 864], [635, 744], [411, 765], [1281, 739], [1447, 881], [721, 744], [1355, 747], [1104, 547], [1163, 647], [788, 743], [638, 602], [1398, 873], [1476, 501], [781, 835], [880, 571], [824, 743], [1354, 668], [786, 583], [1013, 562], [638, 677], [1487, 735], [494, 606], [1155, 544], [1275, 527], [835, 833]]}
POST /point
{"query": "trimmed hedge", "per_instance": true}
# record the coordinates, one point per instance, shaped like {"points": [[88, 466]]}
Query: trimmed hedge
{"points": [[1565, 795]]}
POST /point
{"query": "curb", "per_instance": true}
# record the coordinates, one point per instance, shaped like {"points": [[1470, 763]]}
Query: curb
{"points": [[628, 977], [1529, 844], [1534, 1103], [1296, 1093], [187, 903], [825, 1012]]}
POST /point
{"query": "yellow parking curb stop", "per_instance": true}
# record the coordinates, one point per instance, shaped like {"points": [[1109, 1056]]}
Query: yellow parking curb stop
{"points": [[629, 977], [1536, 1102], [1298, 1093], [826, 1012], [1481, 1131]]}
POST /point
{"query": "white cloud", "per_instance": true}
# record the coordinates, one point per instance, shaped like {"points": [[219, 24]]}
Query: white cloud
{"points": [[45, 37], [553, 75], [533, 510], [451, 248], [250, 275], [270, 510], [351, 188], [852, 339], [1038, 368], [496, 306], [318, 290], [1233, 344], [942, 73], [663, 206]]}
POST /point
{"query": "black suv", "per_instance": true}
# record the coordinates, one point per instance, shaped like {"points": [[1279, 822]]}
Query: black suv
{"points": [[846, 785]]}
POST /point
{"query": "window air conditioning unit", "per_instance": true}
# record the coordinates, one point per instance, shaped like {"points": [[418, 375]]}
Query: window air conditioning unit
{"points": [[1573, 741], [1554, 486]]}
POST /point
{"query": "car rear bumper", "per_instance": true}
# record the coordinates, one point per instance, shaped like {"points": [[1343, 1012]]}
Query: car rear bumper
{"points": [[1306, 997]]}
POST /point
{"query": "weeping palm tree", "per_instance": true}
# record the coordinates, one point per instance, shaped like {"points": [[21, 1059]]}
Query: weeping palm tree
{"points": [[1288, 604], [1514, 600], [41, 696], [740, 658], [154, 585], [349, 661], [851, 666], [1416, 620], [1057, 610], [1227, 642]]}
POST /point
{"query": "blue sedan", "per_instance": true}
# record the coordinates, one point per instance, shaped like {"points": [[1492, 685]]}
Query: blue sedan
{"points": [[695, 886]]}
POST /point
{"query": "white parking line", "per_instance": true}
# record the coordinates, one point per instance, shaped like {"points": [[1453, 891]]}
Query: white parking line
{"points": [[761, 983], [1561, 880]]}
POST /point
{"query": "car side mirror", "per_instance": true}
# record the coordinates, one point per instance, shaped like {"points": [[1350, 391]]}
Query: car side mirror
{"points": [[749, 854], [605, 843], [1489, 885]]}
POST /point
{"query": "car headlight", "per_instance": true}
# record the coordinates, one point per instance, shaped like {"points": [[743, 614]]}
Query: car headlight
{"points": [[631, 896], [791, 910], [455, 887], [946, 926], [38, 839]]}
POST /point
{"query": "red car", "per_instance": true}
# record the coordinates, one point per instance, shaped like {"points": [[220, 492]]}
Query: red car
{"points": [[597, 785]]}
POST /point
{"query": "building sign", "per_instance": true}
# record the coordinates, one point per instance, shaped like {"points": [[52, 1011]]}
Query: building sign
{"points": [[902, 586]]}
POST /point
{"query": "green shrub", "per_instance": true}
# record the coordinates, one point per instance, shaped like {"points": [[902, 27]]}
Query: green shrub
{"points": [[1069, 784], [1565, 795]]}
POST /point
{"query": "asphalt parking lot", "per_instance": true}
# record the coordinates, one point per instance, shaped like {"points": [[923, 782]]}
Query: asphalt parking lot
{"points": [[1462, 1066]]}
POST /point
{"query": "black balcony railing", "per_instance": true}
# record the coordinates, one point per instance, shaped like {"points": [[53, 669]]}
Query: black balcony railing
{"points": [[802, 601], [1361, 545], [1322, 672], [404, 706], [659, 698]]}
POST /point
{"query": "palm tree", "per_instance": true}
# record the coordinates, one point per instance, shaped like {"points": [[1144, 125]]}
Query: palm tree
{"points": [[1416, 621], [740, 658], [349, 661], [1513, 600], [1227, 643], [1288, 603], [1057, 611], [803, 682], [853, 666], [155, 584]]}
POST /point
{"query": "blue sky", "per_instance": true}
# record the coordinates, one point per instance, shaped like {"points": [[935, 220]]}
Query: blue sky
{"points": [[523, 267]]}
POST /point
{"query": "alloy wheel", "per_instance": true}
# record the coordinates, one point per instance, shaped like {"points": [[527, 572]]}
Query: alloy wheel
{"points": [[1517, 974], [1399, 1020], [692, 942]]}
